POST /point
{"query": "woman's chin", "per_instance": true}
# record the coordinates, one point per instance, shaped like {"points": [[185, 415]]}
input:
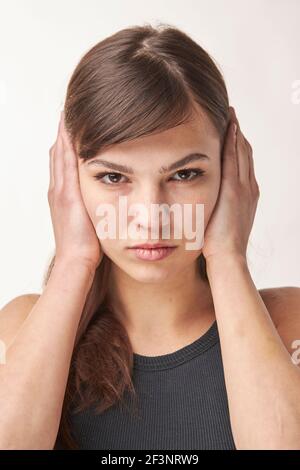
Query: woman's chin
{"points": [[146, 273]]}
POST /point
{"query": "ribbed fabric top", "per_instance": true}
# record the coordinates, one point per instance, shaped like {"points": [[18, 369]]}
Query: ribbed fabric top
{"points": [[200, 345], [181, 404]]}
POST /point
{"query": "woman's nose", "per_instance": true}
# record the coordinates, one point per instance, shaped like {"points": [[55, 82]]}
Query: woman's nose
{"points": [[150, 209]]}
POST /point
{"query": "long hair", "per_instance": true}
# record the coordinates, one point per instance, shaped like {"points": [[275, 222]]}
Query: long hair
{"points": [[139, 81]]}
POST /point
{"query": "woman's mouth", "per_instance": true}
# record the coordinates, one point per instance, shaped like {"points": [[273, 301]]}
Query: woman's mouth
{"points": [[153, 254]]}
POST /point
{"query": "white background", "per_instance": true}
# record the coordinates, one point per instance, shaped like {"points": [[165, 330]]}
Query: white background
{"points": [[257, 46]]}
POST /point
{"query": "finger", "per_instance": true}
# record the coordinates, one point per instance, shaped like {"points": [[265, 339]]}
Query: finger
{"points": [[58, 160], [229, 167], [71, 176], [242, 154], [51, 160], [249, 148], [51, 169], [69, 150], [243, 158], [252, 178]]}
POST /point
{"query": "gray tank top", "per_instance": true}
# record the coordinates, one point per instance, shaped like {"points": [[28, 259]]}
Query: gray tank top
{"points": [[181, 402]]}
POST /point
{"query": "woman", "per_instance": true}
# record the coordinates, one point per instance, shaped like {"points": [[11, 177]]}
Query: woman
{"points": [[183, 335]]}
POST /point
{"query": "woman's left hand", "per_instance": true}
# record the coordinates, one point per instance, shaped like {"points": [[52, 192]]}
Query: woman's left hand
{"points": [[230, 224]]}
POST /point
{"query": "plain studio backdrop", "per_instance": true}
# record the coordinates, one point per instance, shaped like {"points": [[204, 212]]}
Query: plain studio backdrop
{"points": [[257, 47]]}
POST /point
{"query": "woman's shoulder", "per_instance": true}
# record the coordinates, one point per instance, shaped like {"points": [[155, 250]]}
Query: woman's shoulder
{"points": [[13, 313], [283, 305], [282, 301]]}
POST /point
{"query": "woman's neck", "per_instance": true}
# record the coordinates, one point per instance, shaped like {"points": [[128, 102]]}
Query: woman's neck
{"points": [[162, 317]]}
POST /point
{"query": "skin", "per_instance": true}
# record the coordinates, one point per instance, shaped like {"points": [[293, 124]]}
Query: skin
{"points": [[148, 295], [262, 382], [252, 380]]}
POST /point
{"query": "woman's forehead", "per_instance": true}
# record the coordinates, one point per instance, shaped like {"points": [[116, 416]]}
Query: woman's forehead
{"points": [[168, 145]]}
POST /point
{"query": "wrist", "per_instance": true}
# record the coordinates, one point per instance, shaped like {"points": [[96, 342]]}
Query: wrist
{"points": [[226, 259], [75, 266]]}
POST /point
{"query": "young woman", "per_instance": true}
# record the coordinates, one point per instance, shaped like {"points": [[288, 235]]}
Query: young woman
{"points": [[150, 348]]}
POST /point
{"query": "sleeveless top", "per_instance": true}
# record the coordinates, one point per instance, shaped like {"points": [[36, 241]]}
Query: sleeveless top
{"points": [[181, 399]]}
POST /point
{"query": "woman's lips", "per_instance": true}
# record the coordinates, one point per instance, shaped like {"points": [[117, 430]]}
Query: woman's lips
{"points": [[153, 254]]}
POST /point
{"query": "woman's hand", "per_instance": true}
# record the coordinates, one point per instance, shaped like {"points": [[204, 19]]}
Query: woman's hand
{"points": [[229, 227], [75, 236]]}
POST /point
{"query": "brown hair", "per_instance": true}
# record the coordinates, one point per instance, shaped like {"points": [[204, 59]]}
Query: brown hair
{"points": [[139, 81]]}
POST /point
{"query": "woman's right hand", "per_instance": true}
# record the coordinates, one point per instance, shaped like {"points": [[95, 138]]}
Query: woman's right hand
{"points": [[75, 236]]}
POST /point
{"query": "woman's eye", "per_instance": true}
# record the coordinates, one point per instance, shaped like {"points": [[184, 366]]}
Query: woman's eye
{"points": [[189, 175], [111, 178], [116, 178]]}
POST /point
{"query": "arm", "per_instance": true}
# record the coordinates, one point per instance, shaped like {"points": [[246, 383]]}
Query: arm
{"points": [[263, 384], [33, 378]]}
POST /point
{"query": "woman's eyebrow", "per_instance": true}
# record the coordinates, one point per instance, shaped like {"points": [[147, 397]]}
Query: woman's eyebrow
{"points": [[126, 169]]}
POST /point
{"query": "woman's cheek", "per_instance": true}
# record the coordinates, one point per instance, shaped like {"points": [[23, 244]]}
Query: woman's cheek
{"points": [[209, 199], [92, 198], [210, 206], [89, 200], [108, 214]]}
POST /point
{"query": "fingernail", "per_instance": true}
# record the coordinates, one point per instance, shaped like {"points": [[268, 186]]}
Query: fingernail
{"points": [[234, 129]]}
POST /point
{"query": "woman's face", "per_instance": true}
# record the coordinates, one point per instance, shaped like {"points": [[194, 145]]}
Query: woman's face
{"points": [[147, 179]]}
